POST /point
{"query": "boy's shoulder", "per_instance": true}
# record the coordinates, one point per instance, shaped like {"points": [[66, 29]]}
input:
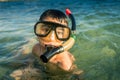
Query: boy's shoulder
{"points": [[36, 49]]}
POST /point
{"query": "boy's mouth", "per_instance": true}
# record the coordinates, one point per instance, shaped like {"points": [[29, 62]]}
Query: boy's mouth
{"points": [[50, 47]]}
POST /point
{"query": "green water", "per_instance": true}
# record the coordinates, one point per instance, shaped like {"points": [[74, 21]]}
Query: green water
{"points": [[97, 47], [99, 51]]}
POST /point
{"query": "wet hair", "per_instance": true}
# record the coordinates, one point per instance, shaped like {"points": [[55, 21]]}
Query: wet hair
{"points": [[53, 13]]}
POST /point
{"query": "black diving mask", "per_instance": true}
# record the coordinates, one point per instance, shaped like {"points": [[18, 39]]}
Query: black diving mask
{"points": [[42, 29]]}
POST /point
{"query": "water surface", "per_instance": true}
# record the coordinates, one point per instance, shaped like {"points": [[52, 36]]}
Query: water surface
{"points": [[97, 48]]}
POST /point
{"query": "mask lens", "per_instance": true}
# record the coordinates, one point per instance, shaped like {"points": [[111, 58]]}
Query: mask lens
{"points": [[62, 32], [42, 29]]}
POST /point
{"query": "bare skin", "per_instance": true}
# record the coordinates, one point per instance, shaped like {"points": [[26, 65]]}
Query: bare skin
{"points": [[65, 59]]}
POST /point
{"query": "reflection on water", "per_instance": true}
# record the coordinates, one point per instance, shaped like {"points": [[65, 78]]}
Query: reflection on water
{"points": [[98, 40]]}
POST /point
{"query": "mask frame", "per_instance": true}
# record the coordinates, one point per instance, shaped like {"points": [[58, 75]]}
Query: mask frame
{"points": [[54, 26]]}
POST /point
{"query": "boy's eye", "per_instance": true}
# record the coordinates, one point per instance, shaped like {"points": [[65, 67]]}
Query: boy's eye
{"points": [[42, 29], [60, 32]]}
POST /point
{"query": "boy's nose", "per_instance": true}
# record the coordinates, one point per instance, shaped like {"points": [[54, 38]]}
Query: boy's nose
{"points": [[52, 36]]}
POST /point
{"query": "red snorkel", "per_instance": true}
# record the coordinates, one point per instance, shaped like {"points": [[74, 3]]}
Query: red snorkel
{"points": [[65, 46], [70, 42]]}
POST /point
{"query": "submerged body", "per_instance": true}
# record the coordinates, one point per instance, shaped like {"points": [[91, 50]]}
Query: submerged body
{"points": [[60, 67], [54, 69]]}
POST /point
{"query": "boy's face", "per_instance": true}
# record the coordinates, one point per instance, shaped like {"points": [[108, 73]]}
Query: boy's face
{"points": [[51, 38]]}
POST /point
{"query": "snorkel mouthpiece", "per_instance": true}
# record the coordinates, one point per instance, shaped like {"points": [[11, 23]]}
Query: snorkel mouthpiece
{"points": [[65, 46], [50, 53]]}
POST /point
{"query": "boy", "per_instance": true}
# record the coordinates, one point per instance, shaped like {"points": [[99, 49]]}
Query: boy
{"points": [[52, 31]]}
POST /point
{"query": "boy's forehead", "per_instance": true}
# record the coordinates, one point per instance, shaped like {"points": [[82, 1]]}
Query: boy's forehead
{"points": [[56, 20]]}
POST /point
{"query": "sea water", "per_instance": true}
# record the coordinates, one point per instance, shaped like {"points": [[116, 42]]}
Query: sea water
{"points": [[97, 47]]}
